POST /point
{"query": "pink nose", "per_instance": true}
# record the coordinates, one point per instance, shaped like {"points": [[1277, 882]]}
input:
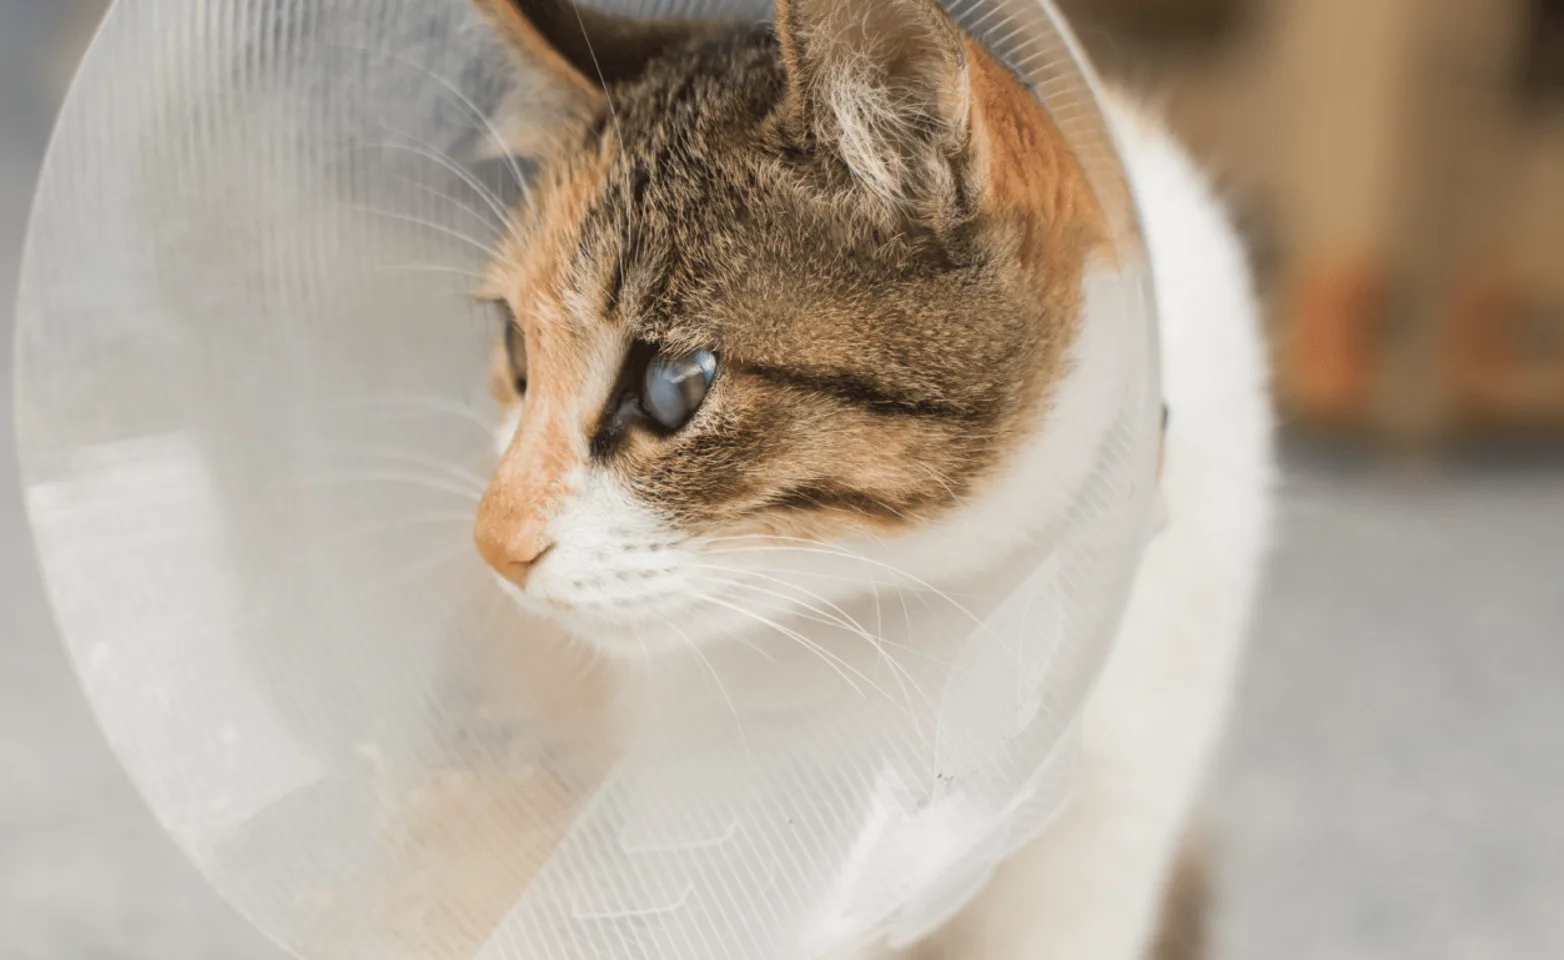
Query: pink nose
{"points": [[513, 553]]}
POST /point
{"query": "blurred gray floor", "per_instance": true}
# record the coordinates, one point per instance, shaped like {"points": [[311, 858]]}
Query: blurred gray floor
{"points": [[1393, 789], [1395, 773]]}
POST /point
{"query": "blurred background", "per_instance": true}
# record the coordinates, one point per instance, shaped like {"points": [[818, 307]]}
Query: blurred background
{"points": [[1399, 166], [1394, 777]]}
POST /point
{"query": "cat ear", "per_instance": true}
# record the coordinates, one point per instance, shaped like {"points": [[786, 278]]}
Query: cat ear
{"points": [[884, 83], [566, 54], [582, 47]]}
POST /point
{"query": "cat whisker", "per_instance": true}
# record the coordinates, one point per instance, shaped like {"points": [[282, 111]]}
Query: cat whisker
{"points": [[424, 404], [417, 221], [454, 472], [799, 545], [792, 605], [873, 582], [425, 151], [939, 478], [842, 617], [465, 101], [787, 608], [431, 268], [429, 152], [926, 588], [613, 112], [867, 581], [459, 204], [393, 478], [842, 667], [861, 510], [844, 622], [777, 542], [722, 688], [404, 523]]}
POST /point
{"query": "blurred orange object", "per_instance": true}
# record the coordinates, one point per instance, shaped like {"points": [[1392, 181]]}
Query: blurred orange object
{"points": [[1503, 355], [1331, 366]]}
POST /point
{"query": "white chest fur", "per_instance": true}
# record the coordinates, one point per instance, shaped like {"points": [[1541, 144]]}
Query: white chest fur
{"points": [[1089, 889]]}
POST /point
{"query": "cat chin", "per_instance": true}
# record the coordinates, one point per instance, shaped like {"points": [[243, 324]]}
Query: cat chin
{"points": [[655, 630]]}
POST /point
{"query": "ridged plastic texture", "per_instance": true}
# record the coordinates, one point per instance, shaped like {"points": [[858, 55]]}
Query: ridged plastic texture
{"points": [[253, 423]]}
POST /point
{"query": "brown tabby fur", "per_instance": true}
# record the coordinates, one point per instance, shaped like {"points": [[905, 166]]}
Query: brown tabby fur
{"points": [[879, 356]]}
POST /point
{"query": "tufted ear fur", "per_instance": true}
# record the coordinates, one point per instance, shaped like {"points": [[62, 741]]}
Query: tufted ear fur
{"points": [[566, 54], [885, 85]]}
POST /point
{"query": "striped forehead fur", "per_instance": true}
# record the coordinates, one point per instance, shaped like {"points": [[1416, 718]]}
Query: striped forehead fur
{"points": [[848, 226]]}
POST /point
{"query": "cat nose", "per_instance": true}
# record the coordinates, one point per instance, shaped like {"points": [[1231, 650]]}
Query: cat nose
{"points": [[513, 557]]}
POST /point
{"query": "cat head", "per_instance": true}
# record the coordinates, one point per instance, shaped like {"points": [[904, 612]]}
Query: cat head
{"points": [[780, 294]]}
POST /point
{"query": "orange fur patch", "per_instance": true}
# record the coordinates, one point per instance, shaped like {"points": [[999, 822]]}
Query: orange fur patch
{"points": [[1032, 175], [531, 478], [1034, 183], [524, 41]]}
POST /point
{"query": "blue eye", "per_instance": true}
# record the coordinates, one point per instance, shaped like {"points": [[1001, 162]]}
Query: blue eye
{"points": [[675, 386]]}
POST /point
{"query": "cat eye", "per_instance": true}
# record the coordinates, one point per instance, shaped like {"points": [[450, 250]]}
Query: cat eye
{"points": [[675, 386], [516, 354]]}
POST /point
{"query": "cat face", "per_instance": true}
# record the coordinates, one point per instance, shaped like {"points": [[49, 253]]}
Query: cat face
{"points": [[778, 295]]}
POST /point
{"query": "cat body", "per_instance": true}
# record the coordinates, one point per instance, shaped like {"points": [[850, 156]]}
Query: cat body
{"points": [[825, 287], [1121, 872]]}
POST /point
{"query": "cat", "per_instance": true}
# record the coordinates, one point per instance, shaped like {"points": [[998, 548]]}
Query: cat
{"points": [[822, 280]]}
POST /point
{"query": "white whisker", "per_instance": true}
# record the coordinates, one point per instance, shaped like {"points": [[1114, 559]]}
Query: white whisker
{"points": [[464, 100], [430, 268], [392, 477], [843, 622], [458, 203], [784, 604], [781, 544], [613, 113], [940, 479], [871, 581], [722, 688], [424, 404], [832, 660], [449, 470], [403, 523], [455, 234], [842, 618], [428, 152]]}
